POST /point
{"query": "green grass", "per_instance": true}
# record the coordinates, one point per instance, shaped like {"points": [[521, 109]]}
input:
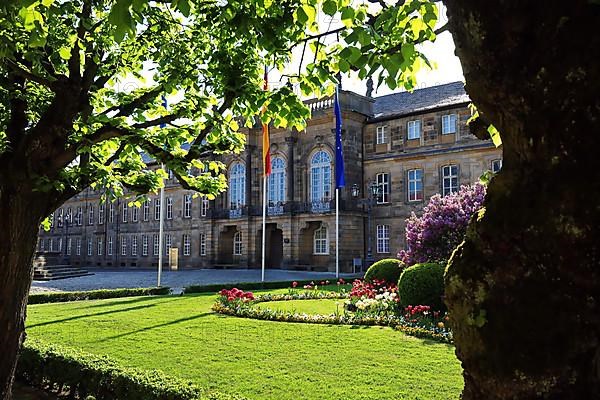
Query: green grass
{"points": [[257, 359], [323, 306]]}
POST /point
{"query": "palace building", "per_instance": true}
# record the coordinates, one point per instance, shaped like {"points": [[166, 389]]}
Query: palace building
{"points": [[404, 146]]}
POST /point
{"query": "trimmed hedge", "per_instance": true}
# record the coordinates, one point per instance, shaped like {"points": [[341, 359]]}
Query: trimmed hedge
{"points": [[247, 286], [81, 375], [388, 269], [60, 297], [423, 284]]}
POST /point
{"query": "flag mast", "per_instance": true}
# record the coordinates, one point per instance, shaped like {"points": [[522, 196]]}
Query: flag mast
{"points": [[161, 221], [266, 171], [340, 180]]}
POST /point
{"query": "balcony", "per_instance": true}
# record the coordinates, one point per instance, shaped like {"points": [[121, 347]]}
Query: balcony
{"points": [[275, 209], [235, 213], [320, 207]]}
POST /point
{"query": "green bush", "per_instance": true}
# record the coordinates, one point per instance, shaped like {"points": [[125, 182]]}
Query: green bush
{"points": [[423, 284], [246, 286], [85, 375], [60, 297], [388, 269]]}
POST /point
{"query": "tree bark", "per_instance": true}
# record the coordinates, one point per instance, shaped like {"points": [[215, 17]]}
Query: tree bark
{"points": [[523, 290], [20, 216]]}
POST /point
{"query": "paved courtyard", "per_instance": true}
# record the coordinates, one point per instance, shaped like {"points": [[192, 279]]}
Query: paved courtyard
{"points": [[112, 279]]}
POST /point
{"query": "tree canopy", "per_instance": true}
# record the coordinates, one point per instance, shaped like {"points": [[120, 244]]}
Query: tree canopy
{"points": [[84, 83]]}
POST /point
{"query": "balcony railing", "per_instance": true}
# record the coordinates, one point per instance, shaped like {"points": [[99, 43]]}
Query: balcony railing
{"points": [[276, 209], [319, 207], [287, 208], [235, 213]]}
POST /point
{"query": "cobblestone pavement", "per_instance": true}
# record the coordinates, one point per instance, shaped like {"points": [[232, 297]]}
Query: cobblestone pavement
{"points": [[112, 279]]}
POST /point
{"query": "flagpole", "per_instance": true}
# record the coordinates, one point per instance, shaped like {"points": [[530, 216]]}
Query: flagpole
{"points": [[264, 228], [337, 233], [160, 227]]}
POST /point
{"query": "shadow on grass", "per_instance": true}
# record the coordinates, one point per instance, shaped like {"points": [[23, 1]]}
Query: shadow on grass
{"points": [[90, 315], [130, 301], [176, 321]]}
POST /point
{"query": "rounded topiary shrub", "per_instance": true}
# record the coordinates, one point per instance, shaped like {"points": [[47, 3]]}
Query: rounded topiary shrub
{"points": [[422, 284], [388, 270]]}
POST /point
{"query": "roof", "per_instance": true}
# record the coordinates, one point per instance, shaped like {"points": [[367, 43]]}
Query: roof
{"points": [[397, 104]]}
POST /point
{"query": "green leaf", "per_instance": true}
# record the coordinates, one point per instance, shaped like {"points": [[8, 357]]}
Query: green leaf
{"points": [[329, 7], [65, 53], [495, 135]]}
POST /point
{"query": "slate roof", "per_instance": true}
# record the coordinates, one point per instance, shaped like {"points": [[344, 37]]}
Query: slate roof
{"points": [[397, 104]]}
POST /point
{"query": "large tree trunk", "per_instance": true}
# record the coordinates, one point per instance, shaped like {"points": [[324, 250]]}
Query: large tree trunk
{"points": [[523, 290], [20, 217]]}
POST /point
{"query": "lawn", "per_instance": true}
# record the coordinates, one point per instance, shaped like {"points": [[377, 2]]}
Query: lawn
{"points": [[257, 359]]}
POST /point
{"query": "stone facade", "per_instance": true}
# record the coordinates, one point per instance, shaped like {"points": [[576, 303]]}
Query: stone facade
{"points": [[300, 227]]}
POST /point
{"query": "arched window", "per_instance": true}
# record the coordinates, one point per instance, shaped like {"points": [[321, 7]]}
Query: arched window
{"points": [[320, 177], [237, 244], [237, 185], [276, 181], [321, 242]]}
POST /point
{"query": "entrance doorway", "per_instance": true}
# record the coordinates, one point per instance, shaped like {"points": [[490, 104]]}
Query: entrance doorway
{"points": [[274, 247]]}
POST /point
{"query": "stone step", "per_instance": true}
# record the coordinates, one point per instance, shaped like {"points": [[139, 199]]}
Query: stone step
{"points": [[61, 276]]}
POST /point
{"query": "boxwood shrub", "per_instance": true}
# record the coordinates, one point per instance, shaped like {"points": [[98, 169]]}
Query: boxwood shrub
{"points": [[59, 297], [82, 375], [388, 269], [247, 286], [423, 284]]}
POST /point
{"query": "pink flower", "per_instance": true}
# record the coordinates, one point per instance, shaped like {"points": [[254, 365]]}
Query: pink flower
{"points": [[294, 284]]}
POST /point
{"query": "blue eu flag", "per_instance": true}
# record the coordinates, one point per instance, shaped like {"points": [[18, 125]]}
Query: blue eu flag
{"points": [[340, 180]]}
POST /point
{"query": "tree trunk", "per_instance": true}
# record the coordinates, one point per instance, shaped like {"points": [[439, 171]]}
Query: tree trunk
{"points": [[20, 217], [523, 289]]}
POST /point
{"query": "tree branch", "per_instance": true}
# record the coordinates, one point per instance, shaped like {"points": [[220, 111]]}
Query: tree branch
{"points": [[22, 72]]}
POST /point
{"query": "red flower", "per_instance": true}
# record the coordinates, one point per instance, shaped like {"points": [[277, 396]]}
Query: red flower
{"points": [[294, 284]]}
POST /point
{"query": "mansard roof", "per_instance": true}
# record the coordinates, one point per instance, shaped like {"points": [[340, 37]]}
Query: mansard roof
{"points": [[404, 103]]}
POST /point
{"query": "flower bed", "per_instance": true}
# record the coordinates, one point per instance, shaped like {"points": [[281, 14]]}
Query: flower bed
{"points": [[418, 321]]}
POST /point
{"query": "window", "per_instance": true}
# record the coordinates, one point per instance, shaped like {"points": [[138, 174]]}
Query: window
{"points": [[146, 210], [169, 208], [187, 206], [276, 181], [125, 212], [50, 244], [144, 245], [237, 244], [382, 134], [134, 245], [383, 238], [414, 129], [69, 243], [449, 179], [109, 250], [69, 217], [90, 215], [60, 218], [42, 245], [237, 185], [156, 244], [90, 246], [99, 246], [111, 213], [187, 245], [415, 185], [203, 244], [135, 210], [496, 165], [321, 243], [320, 177], [168, 242], [51, 218], [60, 245], [123, 245], [79, 216], [204, 208], [448, 124], [100, 214], [77, 247], [383, 181], [157, 209]]}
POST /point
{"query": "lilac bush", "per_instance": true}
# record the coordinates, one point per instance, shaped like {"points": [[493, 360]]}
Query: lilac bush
{"points": [[433, 236]]}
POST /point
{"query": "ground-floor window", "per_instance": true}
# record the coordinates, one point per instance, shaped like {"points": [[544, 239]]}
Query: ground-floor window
{"points": [[144, 245], [187, 245], [69, 242], [78, 247], [109, 250], [123, 245], [237, 244], [134, 245], [321, 242], [203, 244], [89, 247], [99, 246], [156, 244], [383, 238]]}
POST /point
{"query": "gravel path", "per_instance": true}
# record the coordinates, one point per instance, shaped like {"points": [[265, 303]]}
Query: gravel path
{"points": [[112, 279]]}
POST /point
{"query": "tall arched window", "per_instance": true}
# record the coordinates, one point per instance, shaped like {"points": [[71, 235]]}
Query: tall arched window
{"points": [[321, 242], [237, 244], [276, 181], [320, 177], [237, 185]]}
